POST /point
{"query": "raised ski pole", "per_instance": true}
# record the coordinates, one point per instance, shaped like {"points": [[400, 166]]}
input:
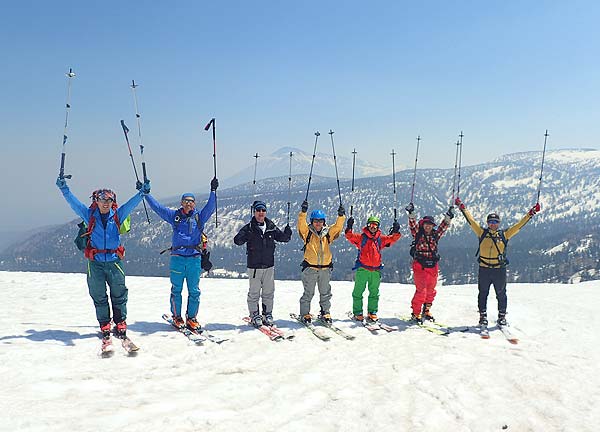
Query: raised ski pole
{"points": [[412, 192], [137, 178], [61, 173], [337, 178], [542, 168], [393, 153], [256, 156], [139, 125], [459, 164], [210, 124], [455, 171], [352, 189], [289, 201], [317, 134]]}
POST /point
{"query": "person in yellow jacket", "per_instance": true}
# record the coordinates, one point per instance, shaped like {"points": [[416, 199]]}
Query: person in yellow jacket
{"points": [[317, 264], [492, 258]]}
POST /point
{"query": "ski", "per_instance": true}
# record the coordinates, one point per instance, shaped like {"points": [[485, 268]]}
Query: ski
{"points": [[435, 328], [373, 327], [484, 332], [272, 332], [314, 329], [128, 345], [196, 338], [335, 329], [508, 334], [106, 348]]}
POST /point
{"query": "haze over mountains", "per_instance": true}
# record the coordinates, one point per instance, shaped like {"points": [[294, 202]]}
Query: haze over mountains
{"points": [[561, 244]]}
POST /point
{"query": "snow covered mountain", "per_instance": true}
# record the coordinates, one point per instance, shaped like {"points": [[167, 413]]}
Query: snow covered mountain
{"points": [[561, 244], [278, 164]]}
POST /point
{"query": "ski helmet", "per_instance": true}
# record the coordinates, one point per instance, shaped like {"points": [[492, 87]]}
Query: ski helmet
{"points": [[317, 214], [374, 219]]}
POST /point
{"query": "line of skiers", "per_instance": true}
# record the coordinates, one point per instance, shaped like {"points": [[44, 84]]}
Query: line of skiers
{"points": [[104, 253]]}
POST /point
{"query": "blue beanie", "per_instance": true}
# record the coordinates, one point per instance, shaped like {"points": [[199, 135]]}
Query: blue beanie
{"points": [[188, 195]]}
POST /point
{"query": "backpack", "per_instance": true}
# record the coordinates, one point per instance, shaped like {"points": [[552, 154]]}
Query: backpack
{"points": [[310, 233], [83, 239], [363, 242], [502, 259], [425, 262]]}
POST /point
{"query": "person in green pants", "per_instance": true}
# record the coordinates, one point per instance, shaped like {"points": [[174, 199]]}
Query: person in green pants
{"points": [[368, 264]]}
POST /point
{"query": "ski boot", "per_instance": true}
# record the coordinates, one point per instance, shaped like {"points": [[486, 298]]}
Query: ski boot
{"points": [[427, 312], [306, 319], [325, 317], [359, 317], [502, 319], [192, 324], [120, 329], [178, 322], [256, 319], [105, 330], [267, 319], [372, 318], [483, 321], [417, 318]]}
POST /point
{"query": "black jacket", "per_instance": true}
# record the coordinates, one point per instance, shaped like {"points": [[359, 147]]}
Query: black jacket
{"points": [[260, 248]]}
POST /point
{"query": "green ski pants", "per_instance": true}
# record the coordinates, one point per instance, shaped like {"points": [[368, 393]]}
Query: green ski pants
{"points": [[98, 275], [361, 279]]}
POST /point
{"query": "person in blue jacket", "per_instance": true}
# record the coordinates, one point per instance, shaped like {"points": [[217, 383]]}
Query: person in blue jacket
{"points": [[186, 248], [105, 252]]}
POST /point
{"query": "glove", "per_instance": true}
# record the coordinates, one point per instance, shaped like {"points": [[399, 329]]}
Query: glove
{"points": [[287, 230], [533, 210], [61, 183], [395, 228], [349, 224], [146, 187], [459, 203], [450, 212], [341, 210], [304, 207], [410, 208], [138, 185], [205, 260], [214, 184]]}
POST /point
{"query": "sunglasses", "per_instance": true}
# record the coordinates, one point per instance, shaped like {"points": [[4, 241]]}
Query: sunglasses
{"points": [[189, 201], [261, 210], [493, 222], [319, 220], [375, 224], [105, 201]]}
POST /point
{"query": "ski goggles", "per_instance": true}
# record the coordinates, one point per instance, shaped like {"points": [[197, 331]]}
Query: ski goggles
{"points": [[319, 220], [104, 195], [373, 224], [493, 221], [188, 200]]}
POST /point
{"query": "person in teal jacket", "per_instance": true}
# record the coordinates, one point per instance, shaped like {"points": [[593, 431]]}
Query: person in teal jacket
{"points": [[104, 251], [186, 249]]}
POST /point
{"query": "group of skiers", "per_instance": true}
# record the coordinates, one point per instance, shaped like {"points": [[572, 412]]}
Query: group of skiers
{"points": [[104, 253]]}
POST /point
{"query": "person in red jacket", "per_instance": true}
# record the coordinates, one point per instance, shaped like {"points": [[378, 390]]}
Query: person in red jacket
{"points": [[425, 260], [368, 264]]}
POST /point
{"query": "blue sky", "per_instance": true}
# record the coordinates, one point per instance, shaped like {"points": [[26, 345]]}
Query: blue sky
{"points": [[378, 73]]}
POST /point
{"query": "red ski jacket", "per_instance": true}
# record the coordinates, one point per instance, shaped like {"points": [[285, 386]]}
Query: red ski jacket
{"points": [[369, 247]]}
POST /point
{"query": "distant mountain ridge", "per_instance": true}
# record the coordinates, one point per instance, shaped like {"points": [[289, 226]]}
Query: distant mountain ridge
{"points": [[561, 244], [277, 164]]}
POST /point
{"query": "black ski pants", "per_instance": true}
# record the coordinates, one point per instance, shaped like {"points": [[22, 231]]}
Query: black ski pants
{"points": [[487, 277]]}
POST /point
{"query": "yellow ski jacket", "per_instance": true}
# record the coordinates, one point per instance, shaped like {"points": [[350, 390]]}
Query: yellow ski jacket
{"points": [[488, 252], [317, 252]]}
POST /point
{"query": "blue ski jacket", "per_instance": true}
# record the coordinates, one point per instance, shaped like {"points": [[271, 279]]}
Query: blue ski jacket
{"points": [[187, 229], [101, 237]]}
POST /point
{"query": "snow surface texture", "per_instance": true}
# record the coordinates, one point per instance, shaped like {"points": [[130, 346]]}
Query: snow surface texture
{"points": [[54, 380]]}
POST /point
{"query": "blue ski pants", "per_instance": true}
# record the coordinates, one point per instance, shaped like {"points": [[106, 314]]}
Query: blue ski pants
{"points": [[188, 269]]}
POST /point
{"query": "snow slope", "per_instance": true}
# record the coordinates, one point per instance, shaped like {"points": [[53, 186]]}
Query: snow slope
{"points": [[54, 380]]}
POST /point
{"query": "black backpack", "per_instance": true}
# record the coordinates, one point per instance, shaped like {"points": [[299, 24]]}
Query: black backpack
{"points": [[502, 259]]}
